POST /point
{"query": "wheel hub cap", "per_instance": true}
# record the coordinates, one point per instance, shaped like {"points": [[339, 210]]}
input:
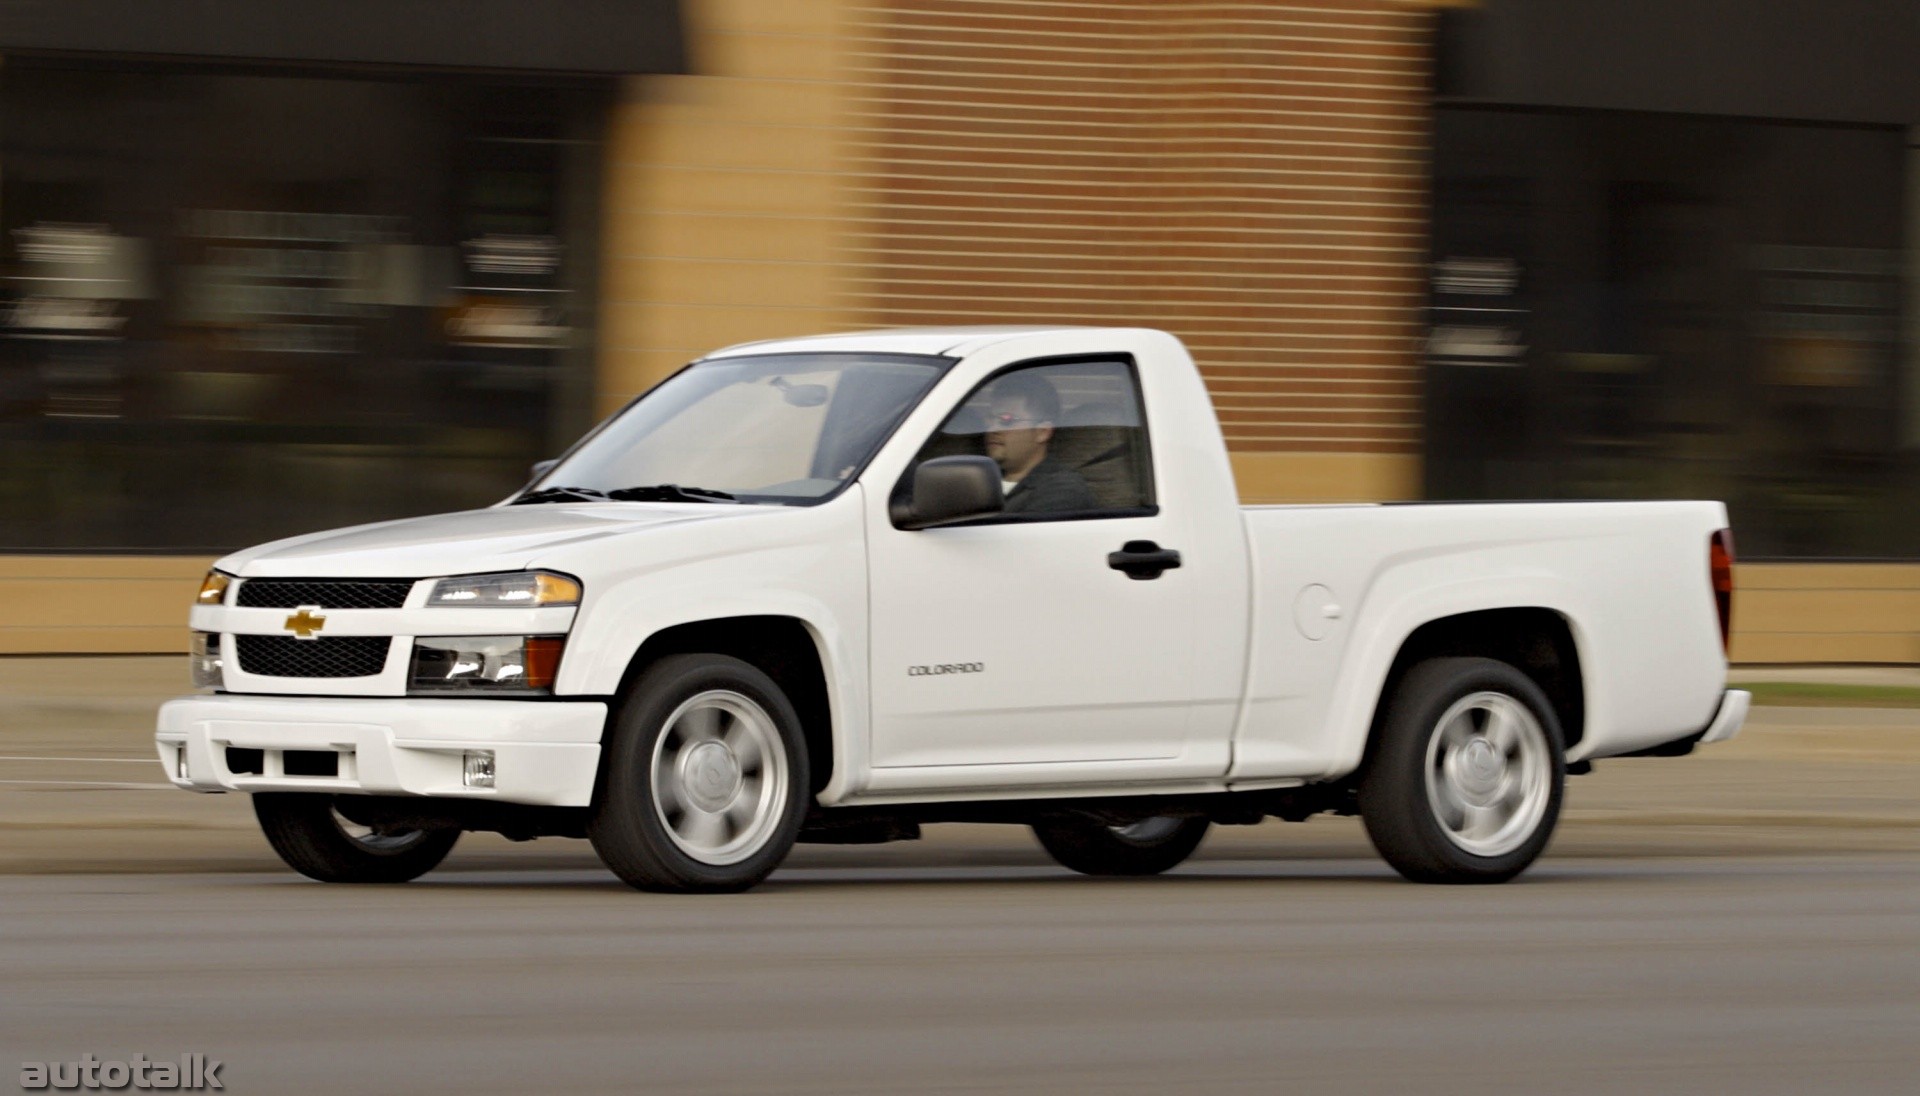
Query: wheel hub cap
{"points": [[1489, 775], [1481, 767], [719, 777], [711, 775]]}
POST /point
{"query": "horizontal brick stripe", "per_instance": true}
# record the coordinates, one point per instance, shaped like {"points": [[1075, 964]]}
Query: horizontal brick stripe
{"points": [[1250, 176]]}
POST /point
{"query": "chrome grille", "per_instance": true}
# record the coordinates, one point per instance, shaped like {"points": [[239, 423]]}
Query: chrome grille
{"points": [[337, 656], [327, 593]]}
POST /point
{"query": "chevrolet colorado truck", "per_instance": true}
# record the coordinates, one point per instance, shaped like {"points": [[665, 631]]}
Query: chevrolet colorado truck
{"points": [[830, 589]]}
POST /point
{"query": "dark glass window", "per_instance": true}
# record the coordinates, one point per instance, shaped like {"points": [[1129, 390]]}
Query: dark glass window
{"points": [[1663, 306], [240, 306]]}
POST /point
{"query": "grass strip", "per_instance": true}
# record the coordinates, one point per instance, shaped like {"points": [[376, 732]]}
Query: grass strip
{"points": [[1816, 694]]}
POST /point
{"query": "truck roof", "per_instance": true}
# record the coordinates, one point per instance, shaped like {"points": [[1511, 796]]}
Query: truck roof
{"points": [[944, 341]]}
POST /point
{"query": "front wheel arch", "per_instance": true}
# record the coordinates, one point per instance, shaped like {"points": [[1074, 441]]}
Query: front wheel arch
{"points": [[785, 648]]}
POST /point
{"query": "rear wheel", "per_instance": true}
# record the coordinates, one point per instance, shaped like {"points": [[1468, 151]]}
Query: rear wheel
{"points": [[1465, 782], [1147, 847], [705, 784], [319, 842]]}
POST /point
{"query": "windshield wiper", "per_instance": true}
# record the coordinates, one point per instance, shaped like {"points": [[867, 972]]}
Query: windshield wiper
{"points": [[561, 494], [669, 492]]}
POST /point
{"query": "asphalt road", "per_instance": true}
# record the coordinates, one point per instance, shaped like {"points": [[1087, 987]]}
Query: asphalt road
{"points": [[1746, 920], [1742, 975]]}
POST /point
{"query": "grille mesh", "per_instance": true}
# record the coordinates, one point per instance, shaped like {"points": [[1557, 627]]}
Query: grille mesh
{"points": [[339, 656], [291, 593]]}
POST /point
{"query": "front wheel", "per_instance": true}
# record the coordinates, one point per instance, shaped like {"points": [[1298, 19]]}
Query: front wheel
{"points": [[705, 781], [317, 841], [1465, 782], [1147, 847]]}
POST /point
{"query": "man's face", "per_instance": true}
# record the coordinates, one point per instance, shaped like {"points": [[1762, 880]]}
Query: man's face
{"points": [[1014, 438]]}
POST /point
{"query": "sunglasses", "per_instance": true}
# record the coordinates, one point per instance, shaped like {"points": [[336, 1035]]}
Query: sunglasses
{"points": [[1005, 419]]}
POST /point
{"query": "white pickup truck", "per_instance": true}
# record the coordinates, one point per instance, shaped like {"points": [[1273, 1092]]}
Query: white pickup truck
{"points": [[829, 589]]}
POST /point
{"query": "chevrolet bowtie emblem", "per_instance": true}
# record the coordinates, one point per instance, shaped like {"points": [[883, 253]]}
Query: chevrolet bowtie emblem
{"points": [[306, 624]]}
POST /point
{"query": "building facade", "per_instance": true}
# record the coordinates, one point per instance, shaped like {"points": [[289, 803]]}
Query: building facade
{"points": [[1674, 255], [378, 276]]}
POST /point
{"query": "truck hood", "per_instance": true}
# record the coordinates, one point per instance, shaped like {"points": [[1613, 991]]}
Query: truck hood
{"points": [[505, 538]]}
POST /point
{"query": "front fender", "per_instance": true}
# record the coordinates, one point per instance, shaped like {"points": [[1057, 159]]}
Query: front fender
{"points": [[813, 571]]}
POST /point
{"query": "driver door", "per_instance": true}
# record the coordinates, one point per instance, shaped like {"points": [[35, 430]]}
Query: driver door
{"points": [[1015, 642]]}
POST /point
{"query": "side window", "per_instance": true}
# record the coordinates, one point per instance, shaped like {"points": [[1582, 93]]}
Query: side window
{"points": [[1069, 438]]}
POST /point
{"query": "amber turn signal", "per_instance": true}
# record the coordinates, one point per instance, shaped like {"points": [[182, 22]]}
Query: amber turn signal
{"points": [[213, 589]]}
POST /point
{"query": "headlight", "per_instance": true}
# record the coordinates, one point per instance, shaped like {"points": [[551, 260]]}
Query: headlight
{"points": [[203, 660], [482, 664], [520, 589], [213, 589]]}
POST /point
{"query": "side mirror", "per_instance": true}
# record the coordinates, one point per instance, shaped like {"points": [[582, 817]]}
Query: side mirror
{"points": [[948, 489], [542, 467]]}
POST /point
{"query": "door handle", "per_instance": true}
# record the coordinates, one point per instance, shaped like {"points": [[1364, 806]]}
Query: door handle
{"points": [[1143, 559]]}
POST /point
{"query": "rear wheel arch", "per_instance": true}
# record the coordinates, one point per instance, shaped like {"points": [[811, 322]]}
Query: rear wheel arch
{"points": [[1536, 640], [786, 649]]}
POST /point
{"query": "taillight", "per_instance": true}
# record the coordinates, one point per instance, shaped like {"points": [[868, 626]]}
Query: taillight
{"points": [[1720, 567]]}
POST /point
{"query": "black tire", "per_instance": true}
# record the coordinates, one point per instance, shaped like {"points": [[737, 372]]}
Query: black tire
{"points": [[310, 836], [1092, 847], [645, 833], [1409, 811]]}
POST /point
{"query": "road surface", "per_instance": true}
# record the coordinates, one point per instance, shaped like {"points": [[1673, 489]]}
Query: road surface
{"points": [[1755, 974], [1745, 921]]}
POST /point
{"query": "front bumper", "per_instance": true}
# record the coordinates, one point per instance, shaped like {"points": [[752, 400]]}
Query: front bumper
{"points": [[545, 752]]}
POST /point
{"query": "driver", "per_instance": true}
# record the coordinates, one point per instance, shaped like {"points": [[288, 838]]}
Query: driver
{"points": [[1023, 410]]}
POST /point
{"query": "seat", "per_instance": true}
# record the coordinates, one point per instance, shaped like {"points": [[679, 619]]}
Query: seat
{"points": [[1095, 440]]}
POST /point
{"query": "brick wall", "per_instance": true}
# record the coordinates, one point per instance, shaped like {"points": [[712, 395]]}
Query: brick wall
{"points": [[1249, 176]]}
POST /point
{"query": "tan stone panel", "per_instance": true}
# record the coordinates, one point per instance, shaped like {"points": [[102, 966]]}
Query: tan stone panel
{"points": [[695, 100], [741, 146], [746, 284], [700, 328], [703, 190], [755, 54], [798, 17], [96, 602], [1792, 647], [1828, 610], [632, 372], [86, 640], [780, 239], [1324, 477], [1826, 576], [623, 326], [106, 567]]}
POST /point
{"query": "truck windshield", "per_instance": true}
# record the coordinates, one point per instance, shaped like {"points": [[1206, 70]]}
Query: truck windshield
{"points": [[774, 428]]}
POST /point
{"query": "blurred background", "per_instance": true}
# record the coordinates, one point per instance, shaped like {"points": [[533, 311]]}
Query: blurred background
{"points": [[269, 267]]}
